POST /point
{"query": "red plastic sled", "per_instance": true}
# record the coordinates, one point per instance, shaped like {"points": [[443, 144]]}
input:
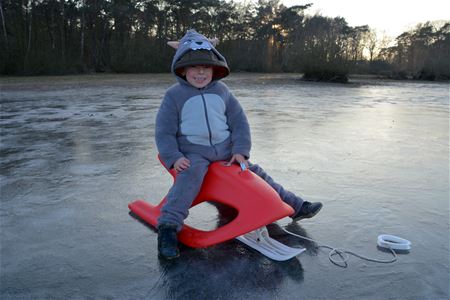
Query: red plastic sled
{"points": [[256, 202]]}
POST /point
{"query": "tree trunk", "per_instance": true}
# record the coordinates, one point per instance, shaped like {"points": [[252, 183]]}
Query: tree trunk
{"points": [[82, 33], [62, 32], [30, 27], [4, 25]]}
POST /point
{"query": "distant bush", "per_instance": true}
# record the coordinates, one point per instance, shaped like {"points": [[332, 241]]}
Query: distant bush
{"points": [[326, 76], [328, 73]]}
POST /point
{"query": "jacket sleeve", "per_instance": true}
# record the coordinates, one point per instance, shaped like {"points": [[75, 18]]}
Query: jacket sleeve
{"points": [[166, 130], [239, 127]]}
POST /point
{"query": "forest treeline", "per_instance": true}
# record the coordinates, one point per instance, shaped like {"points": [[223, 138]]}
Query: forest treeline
{"points": [[75, 36]]}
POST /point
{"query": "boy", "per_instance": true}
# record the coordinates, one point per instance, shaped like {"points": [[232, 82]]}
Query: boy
{"points": [[199, 122]]}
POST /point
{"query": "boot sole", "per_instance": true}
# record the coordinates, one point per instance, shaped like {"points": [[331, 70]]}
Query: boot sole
{"points": [[168, 257]]}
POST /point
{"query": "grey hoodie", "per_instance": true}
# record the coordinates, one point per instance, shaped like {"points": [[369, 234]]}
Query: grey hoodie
{"points": [[192, 120]]}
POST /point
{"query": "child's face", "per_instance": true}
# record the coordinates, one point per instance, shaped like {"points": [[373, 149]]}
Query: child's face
{"points": [[199, 76]]}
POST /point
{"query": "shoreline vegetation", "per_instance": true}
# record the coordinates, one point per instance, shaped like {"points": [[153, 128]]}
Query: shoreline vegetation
{"points": [[114, 78], [63, 37]]}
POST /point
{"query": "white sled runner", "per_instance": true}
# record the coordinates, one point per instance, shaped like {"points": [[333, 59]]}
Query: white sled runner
{"points": [[260, 240]]}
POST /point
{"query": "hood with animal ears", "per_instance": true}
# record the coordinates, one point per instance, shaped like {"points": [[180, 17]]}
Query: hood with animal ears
{"points": [[195, 49]]}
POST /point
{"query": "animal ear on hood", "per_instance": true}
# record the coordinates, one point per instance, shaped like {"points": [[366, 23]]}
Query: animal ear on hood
{"points": [[174, 44], [214, 42]]}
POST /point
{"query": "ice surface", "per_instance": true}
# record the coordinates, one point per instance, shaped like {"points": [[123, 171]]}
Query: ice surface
{"points": [[75, 150]]}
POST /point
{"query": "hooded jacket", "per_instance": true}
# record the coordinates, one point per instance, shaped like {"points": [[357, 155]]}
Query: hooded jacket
{"points": [[194, 120]]}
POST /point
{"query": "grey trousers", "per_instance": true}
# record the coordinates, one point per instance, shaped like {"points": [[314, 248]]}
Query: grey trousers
{"points": [[189, 181]]}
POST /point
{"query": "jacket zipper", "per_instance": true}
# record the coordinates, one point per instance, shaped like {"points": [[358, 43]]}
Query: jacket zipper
{"points": [[207, 122]]}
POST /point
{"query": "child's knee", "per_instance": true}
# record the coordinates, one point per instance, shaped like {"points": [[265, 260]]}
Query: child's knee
{"points": [[195, 172]]}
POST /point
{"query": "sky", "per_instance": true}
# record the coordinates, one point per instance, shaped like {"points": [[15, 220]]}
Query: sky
{"points": [[390, 16]]}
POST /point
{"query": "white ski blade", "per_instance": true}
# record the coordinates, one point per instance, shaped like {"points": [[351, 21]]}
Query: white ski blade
{"points": [[260, 240]]}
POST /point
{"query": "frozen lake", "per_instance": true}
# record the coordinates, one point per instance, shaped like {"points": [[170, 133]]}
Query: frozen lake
{"points": [[76, 150]]}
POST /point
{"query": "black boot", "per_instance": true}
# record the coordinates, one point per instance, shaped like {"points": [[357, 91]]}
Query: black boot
{"points": [[167, 241], [308, 210]]}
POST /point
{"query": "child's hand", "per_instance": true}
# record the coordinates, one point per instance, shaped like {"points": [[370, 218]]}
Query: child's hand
{"points": [[181, 164], [239, 158]]}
